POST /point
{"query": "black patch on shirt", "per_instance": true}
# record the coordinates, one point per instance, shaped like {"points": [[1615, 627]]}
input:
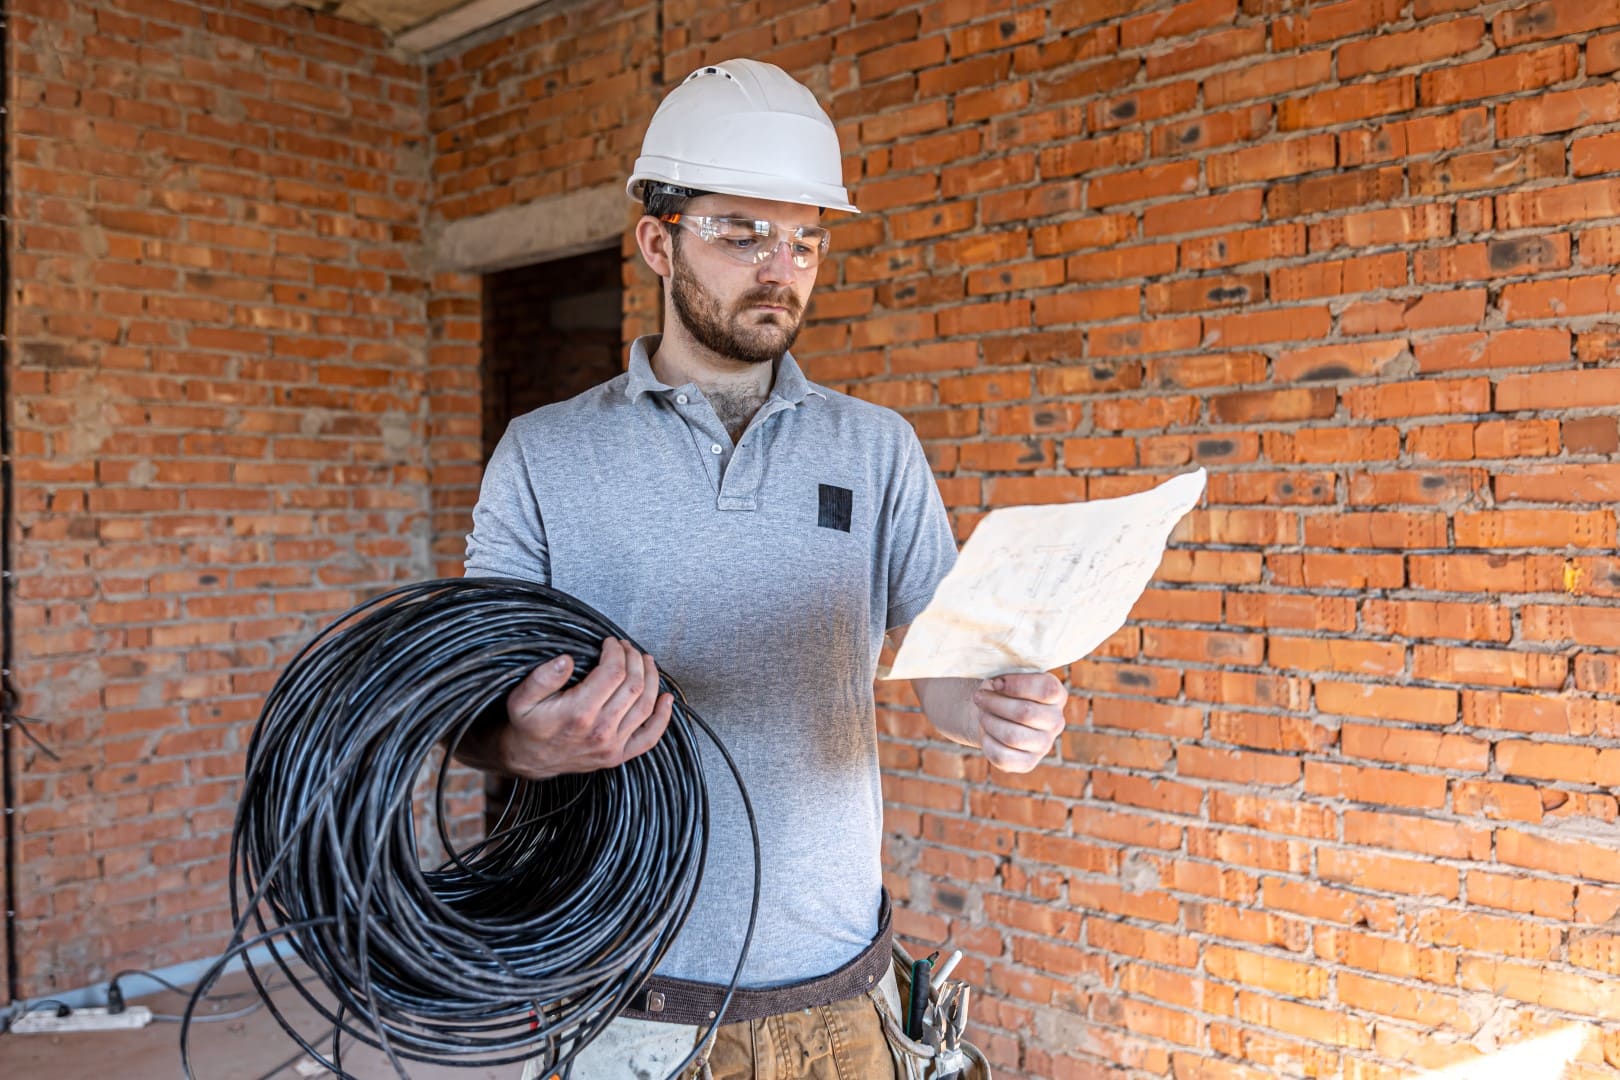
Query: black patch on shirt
{"points": [[835, 507]]}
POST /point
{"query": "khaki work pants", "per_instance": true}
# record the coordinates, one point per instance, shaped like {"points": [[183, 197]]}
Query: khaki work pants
{"points": [[841, 1041]]}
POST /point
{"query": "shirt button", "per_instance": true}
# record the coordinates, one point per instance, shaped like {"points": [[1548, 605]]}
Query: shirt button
{"points": [[714, 448], [680, 399]]}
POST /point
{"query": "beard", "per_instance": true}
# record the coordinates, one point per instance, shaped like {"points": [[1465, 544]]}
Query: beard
{"points": [[727, 333]]}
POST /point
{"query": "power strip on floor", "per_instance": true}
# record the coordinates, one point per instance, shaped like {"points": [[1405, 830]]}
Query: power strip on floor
{"points": [[46, 1022]]}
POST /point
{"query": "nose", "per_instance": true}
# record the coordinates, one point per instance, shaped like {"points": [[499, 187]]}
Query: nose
{"points": [[779, 266]]}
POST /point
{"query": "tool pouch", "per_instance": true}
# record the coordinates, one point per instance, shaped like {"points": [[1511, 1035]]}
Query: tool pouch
{"points": [[942, 1053]]}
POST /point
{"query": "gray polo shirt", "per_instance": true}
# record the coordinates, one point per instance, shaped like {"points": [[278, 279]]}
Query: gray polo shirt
{"points": [[762, 577]]}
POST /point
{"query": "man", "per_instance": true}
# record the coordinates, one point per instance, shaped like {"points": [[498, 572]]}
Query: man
{"points": [[758, 534]]}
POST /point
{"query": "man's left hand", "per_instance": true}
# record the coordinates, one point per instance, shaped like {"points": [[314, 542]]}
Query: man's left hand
{"points": [[1020, 717]]}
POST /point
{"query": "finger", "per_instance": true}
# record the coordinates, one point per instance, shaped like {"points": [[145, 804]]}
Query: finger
{"points": [[1037, 686], [1015, 736], [546, 679], [647, 735], [646, 700], [586, 698], [1008, 758], [616, 713], [1031, 714]]}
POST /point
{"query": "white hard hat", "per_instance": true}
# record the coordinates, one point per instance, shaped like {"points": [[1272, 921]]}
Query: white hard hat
{"points": [[743, 127]]}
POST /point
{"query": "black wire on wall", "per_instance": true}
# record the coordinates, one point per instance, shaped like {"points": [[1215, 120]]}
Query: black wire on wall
{"points": [[527, 943], [8, 693]]}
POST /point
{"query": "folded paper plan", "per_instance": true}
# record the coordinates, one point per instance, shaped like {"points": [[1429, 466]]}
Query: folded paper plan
{"points": [[1038, 587]]}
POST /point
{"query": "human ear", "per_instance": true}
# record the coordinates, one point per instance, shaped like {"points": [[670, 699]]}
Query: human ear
{"points": [[656, 244]]}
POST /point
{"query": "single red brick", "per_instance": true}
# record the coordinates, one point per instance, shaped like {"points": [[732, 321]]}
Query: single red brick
{"points": [[1269, 78], [1082, 306], [1210, 130], [1115, 264], [1342, 104], [1561, 297], [1333, 571], [1603, 54], [1336, 192], [1435, 41], [1137, 184], [1087, 82], [1554, 18], [1339, 277], [1487, 573], [1207, 50], [1284, 324], [1504, 348], [1272, 160], [1272, 406], [1406, 746], [1205, 294], [1089, 155], [998, 33], [1595, 155], [1492, 169], [1547, 113], [1205, 369], [1592, 435], [1411, 138], [1487, 78], [1348, 18], [1249, 245], [1195, 215], [1182, 19], [1559, 205], [1488, 667], [1557, 389], [1388, 873], [1143, 105]]}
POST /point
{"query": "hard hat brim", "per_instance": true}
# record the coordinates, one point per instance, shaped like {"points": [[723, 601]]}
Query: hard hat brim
{"points": [[730, 182]]}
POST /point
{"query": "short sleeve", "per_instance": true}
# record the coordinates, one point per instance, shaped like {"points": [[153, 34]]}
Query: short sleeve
{"points": [[921, 545], [508, 537]]}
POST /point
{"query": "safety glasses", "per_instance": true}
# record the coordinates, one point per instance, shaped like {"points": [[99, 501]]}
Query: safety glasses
{"points": [[751, 241]]}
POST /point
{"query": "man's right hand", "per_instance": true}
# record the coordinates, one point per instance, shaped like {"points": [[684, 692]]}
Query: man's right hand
{"points": [[613, 714]]}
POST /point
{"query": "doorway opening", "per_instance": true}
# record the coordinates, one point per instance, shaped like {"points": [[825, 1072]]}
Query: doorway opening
{"points": [[551, 330]]}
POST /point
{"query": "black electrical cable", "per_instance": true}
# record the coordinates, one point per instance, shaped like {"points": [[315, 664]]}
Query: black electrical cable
{"points": [[10, 758], [289, 1063], [525, 944], [116, 1002]]}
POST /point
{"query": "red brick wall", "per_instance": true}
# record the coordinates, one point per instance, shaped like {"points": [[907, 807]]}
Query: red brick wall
{"points": [[1338, 798], [218, 358], [554, 105]]}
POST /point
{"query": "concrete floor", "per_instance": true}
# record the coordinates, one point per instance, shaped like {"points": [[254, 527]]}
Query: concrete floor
{"points": [[247, 1048]]}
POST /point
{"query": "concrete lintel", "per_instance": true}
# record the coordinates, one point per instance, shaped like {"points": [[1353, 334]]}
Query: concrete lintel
{"points": [[453, 25], [539, 231]]}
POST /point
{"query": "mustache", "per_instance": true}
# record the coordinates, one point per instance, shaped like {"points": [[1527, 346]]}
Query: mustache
{"points": [[785, 298]]}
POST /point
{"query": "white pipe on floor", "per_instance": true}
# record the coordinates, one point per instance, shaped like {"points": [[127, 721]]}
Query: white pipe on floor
{"points": [[187, 974]]}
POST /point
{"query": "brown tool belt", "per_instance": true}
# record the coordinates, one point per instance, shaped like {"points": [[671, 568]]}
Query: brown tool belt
{"points": [[683, 1001]]}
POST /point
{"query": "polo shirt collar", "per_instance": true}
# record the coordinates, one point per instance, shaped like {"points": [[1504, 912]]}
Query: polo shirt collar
{"points": [[791, 385], [642, 379]]}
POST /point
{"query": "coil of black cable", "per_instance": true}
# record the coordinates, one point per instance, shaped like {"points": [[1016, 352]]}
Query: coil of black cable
{"points": [[525, 944]]}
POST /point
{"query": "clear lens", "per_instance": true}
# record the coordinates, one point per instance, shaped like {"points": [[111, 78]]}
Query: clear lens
{"points": [[752, 241]]}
